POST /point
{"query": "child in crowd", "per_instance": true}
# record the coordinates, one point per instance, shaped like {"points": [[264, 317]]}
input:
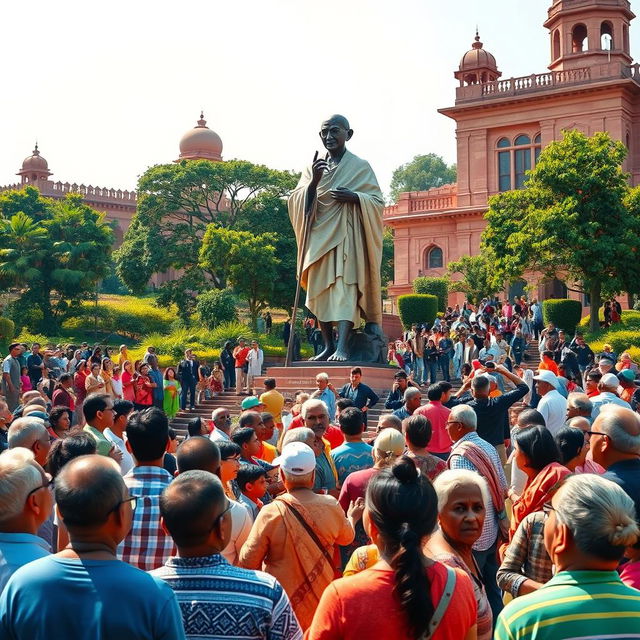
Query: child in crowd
{"points": [[25, 381], [217, 378], [252, 481]]}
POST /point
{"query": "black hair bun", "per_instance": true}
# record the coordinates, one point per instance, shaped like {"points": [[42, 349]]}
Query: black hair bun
{"points": [[405, 470]]}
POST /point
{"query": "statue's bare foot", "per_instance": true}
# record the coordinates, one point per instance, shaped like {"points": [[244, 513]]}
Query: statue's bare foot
{"points": [[339, 356], [324, 355]]}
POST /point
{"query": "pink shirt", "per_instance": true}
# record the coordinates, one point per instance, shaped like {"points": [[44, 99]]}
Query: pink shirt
{"points": [[437, 414], [630, 574]]}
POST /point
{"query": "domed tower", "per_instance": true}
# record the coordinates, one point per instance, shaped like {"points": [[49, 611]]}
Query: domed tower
{"points": [[477, 65], [585, 33], [34, 168], [200, 143]]}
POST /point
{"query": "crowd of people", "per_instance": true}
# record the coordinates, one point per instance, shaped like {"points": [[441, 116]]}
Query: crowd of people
{"points": [[500, 501]]}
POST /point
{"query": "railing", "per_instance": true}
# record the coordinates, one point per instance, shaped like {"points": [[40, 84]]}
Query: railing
{"points": [[48, 188], [416, 202], [536, 81]]}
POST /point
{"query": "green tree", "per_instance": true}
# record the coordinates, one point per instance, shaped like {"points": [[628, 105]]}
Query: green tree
{"points": [[386, 267], [250, 263], [576, 216], [217, 306], [422, 173], [53, 251], [176, 204], [479, 278]]}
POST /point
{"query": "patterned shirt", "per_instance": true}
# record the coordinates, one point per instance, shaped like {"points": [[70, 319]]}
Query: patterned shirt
{"points": [[526, 556], [457, 461], [218, 600], [350, 457], [146, 546]]}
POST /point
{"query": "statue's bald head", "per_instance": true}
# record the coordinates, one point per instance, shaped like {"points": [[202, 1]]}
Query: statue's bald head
{"points": [[337, 119], [87, 490]]}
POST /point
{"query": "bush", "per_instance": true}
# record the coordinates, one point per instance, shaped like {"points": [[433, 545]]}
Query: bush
{"points": [[227, 331], [564, 313], [217, 306], [630, 318], [417, 308], [621, 340], [438, 287], [24, 316], [7, 330]]}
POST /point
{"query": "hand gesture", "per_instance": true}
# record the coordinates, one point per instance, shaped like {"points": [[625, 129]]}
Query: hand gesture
{"points": [[342, 194], [116, 454], [318, 167], [356, 507]]}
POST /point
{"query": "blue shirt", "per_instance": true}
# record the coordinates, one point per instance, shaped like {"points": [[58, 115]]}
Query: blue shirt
{"points": [[97, 599], [16, 550], [350, 457], [328, 397], [219, 600]]}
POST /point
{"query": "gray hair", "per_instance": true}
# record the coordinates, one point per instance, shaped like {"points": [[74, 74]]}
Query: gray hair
{"points": [[410, 392], [314, 403], [616, 427], [323, 376], [216, 412], [448, 481], [25, 432], [301, 434], [579, 422], [581, 402], [18, 476], [466, 415], [480, 383], [599, 514], [389, 419]]}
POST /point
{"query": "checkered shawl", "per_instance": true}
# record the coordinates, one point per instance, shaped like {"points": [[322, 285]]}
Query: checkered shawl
{"points": [[146, 545]]}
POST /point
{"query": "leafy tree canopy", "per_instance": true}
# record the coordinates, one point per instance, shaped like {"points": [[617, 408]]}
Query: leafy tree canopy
{"points": [[576, 215], [423, 172], [479, 278], [52, 251]]}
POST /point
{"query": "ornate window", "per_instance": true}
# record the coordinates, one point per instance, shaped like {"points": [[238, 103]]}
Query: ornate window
{"points": [[579, 39], [557, 50], [606, 36], [515, 159], [435, 258]]}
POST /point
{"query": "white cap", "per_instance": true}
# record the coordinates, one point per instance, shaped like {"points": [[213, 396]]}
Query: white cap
{"points": [[609, 380], [297, 459], [548, 376]]}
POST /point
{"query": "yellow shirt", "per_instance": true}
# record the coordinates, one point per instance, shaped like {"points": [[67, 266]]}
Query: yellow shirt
{"points": [[362, 558], [273, 401], [268, 452]]}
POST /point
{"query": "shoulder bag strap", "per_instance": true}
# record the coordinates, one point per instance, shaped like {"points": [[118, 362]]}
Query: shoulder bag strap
{"points": [[311, 532], [443, 605]]}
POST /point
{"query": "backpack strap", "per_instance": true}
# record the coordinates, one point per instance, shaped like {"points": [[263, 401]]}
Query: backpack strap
{"points": [[443, 605]]}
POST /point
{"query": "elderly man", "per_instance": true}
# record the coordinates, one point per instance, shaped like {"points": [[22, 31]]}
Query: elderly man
{"points": [[615, 445], [412, 400], [608, 387], [5, 420], [294, 536], [341, 200], [84, 591], [252, 603], [11, 376], [221, 419], [327, 393], [23, 510], [579, 404], [30, 433], [470, 451], [552, 405], [316, 417]]}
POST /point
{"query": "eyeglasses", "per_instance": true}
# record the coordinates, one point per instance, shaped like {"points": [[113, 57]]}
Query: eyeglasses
{"points": [[453, 422], [595, 433], [220, 515], [48, 481], [133, 500]]}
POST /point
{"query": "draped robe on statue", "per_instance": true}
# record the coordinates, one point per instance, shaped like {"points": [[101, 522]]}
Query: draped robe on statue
{"points": [[341, 268]]}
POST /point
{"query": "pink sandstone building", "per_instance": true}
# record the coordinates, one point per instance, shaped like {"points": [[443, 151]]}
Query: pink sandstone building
{"points": [[199, 143], [503, 123]]}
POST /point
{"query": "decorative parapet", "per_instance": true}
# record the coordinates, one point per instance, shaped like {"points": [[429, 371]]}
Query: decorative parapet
{"points": [[538, 82], [419, 202], [58, 189]]}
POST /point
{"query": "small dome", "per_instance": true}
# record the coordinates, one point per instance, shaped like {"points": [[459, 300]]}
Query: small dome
{"points": [[201, 143], [478, 58], [35, 162]]}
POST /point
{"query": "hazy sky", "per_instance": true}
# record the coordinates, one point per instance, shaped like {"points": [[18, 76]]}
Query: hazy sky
{"points": [[108, 88]]}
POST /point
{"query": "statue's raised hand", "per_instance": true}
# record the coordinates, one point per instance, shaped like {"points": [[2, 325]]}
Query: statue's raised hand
{"points": [[318, 167]]}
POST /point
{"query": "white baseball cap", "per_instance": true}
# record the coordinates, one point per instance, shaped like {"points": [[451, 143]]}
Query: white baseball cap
{"points": [[609, 380], [548, 376], [297, 459]]}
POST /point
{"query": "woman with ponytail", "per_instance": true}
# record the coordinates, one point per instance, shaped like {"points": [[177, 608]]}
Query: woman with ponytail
{"points": [[405, 596], [590, 523]]}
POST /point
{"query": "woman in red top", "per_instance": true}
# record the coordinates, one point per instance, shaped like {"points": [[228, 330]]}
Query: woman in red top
{"points": [[80, 390], [399, 597], [144, 389], [128, 378]]}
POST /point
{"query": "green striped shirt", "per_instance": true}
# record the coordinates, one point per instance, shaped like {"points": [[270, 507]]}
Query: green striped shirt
{"points": [[576, 605]]}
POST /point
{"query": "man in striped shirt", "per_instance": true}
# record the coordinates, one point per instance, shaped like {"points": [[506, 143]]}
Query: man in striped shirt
{"points": [[147, 546], [590, 523], [217, 600]]}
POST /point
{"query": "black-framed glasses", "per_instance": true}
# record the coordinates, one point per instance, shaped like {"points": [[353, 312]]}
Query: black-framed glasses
{"points": [[221, 514], [132, 499], [595, 433], [48, 481]]}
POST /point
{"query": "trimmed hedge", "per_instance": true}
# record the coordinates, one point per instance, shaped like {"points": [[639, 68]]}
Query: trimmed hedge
{"points": [[7, 330], [629, 319], [622, 340], [564, 313], [438, 287], [416, 308], [217, 306]]}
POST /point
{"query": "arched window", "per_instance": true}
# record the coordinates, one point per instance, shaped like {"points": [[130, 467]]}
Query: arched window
{"points": [[537, 148], [579, 40], [625, 38], [435, 258], [515, 159], [606, 36], [557, 51]]}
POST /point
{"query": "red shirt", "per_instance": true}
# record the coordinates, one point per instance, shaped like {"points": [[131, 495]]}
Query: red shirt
{"points": [[355, 485], [62, 398], [144, 395], [240, 354], [437, 414]]}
